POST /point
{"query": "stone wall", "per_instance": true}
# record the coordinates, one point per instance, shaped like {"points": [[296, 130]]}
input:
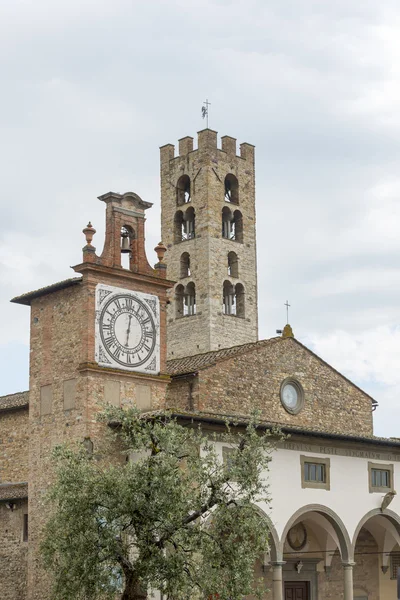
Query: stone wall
{"points": [[252, 380], [13, 552], [365, 572], [14, 445], [207, 167]]}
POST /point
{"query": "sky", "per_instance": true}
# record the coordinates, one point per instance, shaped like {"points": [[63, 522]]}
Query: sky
{"points": [[92, 88]]}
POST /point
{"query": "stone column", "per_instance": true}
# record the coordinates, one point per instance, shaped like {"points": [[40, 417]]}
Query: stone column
{"points": [[277, 585], [348, 580]]}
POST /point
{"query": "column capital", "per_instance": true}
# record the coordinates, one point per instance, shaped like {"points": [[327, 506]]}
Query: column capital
{"points": [[348, 564], [277, 563]]}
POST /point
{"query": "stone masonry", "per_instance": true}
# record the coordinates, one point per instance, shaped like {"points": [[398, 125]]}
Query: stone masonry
{"points": [[238, 380], [206, 168]]}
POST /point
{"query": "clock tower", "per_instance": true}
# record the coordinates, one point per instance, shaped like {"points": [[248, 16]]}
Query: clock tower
{"points": [[97, 337]]}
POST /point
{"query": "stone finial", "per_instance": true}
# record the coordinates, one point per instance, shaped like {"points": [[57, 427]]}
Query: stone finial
{"points": [[160, 249], [287, 331], [89, 232]]}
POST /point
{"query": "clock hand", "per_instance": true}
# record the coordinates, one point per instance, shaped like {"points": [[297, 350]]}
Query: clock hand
{"points": [[128, 330]]}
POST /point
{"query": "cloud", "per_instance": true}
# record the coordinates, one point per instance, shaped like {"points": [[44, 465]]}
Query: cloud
{"points": [[94, 88]]}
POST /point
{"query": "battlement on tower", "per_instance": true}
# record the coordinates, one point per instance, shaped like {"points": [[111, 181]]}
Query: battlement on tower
{"points": [[207, 141], [208, 227]]}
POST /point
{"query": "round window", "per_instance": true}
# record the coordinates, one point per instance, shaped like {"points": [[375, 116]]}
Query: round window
{"points": [[292, 396]]}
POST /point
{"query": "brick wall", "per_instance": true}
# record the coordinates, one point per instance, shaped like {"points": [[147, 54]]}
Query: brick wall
{"points": [[62, 350]]}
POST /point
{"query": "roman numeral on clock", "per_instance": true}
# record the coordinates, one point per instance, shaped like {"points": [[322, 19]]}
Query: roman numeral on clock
{"points": [[109, 341]]}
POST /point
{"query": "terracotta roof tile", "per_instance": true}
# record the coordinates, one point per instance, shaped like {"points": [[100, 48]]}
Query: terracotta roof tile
{"points": [[284, 427], [12, 401], [54, 287], [189, 364], [13, 491]]}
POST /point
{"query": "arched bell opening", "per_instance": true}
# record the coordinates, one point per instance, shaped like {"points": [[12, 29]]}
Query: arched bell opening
{"points": [[185, 265], [128, 247], [183, 192], [231, 189], [233, 264]]}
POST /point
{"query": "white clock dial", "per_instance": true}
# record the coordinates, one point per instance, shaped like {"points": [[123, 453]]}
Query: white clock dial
{"points": [[127, 329]]}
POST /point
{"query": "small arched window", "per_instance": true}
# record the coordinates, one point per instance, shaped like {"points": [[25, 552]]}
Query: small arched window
{"points": [[185, 265], [239, 297], [233, 264], [190, 300], [179, 293], [231, 189], [178, 227], [233, 299], [183, 190], [232, 225], [238, 226], [228, 301], [189, 224], [227, 224]]}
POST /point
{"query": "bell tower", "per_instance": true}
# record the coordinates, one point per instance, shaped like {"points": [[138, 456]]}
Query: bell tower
{"points": [[208, 226]]}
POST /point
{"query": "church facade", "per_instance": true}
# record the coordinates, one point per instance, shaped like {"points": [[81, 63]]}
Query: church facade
{"points": [[183, 335]]}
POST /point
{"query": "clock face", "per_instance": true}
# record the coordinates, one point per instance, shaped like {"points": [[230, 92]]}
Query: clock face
{"points": [[127, 329]]}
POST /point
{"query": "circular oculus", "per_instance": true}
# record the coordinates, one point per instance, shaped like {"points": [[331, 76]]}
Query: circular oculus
{"points": [[292, 396]]}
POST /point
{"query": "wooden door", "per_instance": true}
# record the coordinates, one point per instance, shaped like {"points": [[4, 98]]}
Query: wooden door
{"points": [[296, 590]]}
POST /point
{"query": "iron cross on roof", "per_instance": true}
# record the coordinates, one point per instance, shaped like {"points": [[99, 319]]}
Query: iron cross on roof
{"points": [[287, 310], [205, 110]]}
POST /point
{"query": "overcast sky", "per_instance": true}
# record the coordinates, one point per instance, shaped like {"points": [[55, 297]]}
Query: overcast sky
{"points": [[91, 89]]}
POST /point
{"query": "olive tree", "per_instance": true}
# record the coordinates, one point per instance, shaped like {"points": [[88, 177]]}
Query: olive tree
{"points": [[169, 515]]}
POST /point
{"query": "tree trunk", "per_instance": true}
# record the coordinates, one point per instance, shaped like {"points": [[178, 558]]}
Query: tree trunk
{"points": [[132, 590]]}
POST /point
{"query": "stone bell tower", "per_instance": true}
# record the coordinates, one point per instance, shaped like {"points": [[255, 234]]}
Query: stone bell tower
{"points": [[208, 226]]}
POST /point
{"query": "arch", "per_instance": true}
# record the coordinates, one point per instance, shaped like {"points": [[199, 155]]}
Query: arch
{"points": [[345, 546], [239, 297], [227, 224], [179, 293], [185, 265], [389, 516], [178, 227], [128, 247], [228, 298], [238, 226], [183, 195], [188, 231], [233, 264], [273, 537], [231, 189], [189, 297]]}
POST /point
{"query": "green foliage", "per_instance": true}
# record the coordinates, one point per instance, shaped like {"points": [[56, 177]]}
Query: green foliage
{"points": [[169, 515]]}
